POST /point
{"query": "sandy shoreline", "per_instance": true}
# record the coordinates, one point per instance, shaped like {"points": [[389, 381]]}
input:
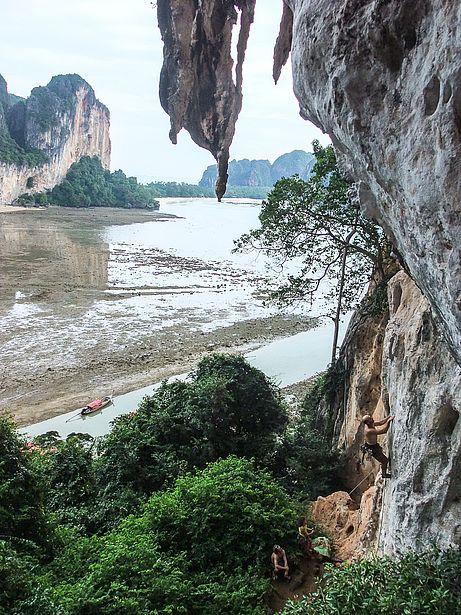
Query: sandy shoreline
{"points": [[34, 398]]}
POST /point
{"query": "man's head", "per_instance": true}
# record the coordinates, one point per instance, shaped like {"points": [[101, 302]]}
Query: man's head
{"points": [[368, 420], [277, 549]]}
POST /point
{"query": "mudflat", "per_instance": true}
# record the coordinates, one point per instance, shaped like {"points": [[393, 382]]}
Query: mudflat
{"points": [[66, 334]]}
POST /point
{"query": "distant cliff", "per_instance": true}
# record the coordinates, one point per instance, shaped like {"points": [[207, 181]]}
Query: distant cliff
{"points": [[261, 172], [43, 135]]}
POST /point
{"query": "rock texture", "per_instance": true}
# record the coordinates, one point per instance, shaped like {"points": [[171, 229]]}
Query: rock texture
{"points": [[352, 527], [196, 83], [403, 366], [65, 122], [422, 502], [383, 79]]}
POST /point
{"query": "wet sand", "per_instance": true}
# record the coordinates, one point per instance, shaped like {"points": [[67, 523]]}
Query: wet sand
{"points": [[40, 388]]}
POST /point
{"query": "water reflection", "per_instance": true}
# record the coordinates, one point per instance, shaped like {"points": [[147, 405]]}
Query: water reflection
{"points": [[43, 257]]}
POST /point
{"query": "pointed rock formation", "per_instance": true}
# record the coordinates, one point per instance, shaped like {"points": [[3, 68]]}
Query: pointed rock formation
{"points": [[197, 89]]}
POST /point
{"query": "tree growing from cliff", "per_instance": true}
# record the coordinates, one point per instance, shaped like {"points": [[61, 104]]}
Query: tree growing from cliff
{"points": [[318, 224]]}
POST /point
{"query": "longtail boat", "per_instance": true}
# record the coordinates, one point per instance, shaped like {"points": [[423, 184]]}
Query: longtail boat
{"points": [[96, 404]]}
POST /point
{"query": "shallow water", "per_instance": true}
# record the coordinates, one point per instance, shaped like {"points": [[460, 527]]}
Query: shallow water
{"points": [[71, 289], [285, 361]]}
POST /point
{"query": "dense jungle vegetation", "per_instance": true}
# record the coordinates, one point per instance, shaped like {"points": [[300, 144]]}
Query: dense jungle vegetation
{"points": [[88, 184], [176, 511]]}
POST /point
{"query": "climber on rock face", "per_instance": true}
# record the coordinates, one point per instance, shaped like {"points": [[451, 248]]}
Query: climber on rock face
{"points": [[371, 440]]}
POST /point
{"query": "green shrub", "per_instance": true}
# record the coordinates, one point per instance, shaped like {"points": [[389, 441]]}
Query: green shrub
{"points": [[20, 591], [228, 407], [88, 184], [415, 584], [12, 153], [22, 513], [202, 546]]}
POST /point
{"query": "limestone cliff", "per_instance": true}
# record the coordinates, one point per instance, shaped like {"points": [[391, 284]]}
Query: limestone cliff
{"points": [[45, 134], [401, 362], [383, 79]]}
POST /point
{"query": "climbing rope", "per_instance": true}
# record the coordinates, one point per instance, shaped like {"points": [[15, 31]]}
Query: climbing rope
{"points": [[363, 480]]}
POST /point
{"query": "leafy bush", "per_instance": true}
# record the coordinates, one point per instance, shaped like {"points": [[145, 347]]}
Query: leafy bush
{"points": [[416, 584], [88, 184], [228, 407], [21, 495], [201, 546], [20, 590], [228, 515], [12, 153], [305, 463]]}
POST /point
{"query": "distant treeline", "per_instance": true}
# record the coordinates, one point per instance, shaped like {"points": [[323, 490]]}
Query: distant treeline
{"points": [[163, 189], [88, 184]]}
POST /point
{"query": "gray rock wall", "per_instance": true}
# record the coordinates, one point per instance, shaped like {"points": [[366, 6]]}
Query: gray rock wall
{"points": [[383, 79], [422, 501]]}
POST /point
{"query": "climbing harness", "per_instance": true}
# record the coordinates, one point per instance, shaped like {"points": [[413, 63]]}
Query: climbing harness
{"points": [[366, 450]]}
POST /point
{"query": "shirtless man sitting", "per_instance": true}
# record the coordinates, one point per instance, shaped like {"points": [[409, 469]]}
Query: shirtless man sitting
{"points": [[371, 440], [279, 563]]}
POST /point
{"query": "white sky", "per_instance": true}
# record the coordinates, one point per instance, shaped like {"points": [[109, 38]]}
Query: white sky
{"points": [[115, 45]]}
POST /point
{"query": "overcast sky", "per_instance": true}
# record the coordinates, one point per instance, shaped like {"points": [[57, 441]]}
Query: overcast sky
{"points": [[115, 45]]}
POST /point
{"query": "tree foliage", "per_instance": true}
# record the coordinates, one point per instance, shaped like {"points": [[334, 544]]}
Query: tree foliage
{"points": [[199, 547], [88, 184], [313, 222], [415, 584], [22, 515], [12, 153], [227, 407]]}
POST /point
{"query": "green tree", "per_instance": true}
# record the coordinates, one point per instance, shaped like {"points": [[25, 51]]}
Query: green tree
{"points": [[201, 546], [227, 407], [20, 590], [88, 184], [317, 222], [22, 514]]}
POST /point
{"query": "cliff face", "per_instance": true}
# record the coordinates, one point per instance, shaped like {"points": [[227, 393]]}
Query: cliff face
{"points": [[402, 363], [383, 79], [422, 502], [64, 121]]}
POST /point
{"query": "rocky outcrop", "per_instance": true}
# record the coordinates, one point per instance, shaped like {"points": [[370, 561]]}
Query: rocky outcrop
{"points": [[422, 502], [404, 368], [353, 527], [383, 79], [63, 122], [261, 172], [196, 83]]}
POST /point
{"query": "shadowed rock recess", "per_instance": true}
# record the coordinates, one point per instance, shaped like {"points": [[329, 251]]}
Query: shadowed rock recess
{"points": [[383, 79]]}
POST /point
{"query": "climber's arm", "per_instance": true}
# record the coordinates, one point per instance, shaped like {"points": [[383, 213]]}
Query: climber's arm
{"points": [[387, 423]]}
